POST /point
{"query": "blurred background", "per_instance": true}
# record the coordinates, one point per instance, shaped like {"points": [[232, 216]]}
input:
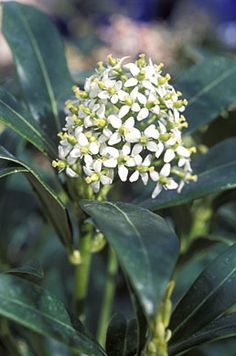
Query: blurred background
{"points": [[176, 32]]}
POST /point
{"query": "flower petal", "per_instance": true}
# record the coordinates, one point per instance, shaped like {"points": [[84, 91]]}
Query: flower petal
{"points": [[71, 173], [94, 147], [152, 146], [122, 95], [123, 111], [151, 132], [106, 132], [82, 139], [134, 177], [75, 153], [138, 147], [172, 184], [154, 176], [160, 149], [147, 160], [131, 82], [129, 123], [115, 121], [165, 171], [157, 190], [110, 163], [114, 99], [133, 68], [96, 186], [126, 149], [115, 138], [87, 171], [103, 95], [135, 107], [113, 152], [88, 160], [133, 135], [169, 155], [138, 160], [101, 111], [106, 180], [143, 114], [144, 177], [182, 151], [123, 173], [97, 165], [141, 98]]}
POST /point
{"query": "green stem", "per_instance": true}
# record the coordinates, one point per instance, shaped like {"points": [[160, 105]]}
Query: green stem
{"points": [[108, 297], [83, 270]]}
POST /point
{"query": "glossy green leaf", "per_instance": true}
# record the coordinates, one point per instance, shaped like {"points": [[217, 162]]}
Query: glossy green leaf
{"points": [[216, 172], [140, 321], [221, 328], [121, 337], [210, 295], [210, 88], [52, 205], [40, 61], [145, 244], [32, 271], [16, 117], [34, 308], [115, 340]]}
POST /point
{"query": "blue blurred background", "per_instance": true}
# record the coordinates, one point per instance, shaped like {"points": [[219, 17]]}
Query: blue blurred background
{"points": [[175, 32]]}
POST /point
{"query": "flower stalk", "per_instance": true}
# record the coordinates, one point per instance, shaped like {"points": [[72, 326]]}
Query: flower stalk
{"points": [[82, 270], [160, 334], [108, 297]]}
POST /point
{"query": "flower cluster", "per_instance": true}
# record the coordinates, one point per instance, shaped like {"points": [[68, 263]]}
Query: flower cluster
{"points": [[126, 121]]}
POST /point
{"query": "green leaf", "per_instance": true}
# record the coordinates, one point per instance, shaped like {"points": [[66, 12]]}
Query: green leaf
{"points": [[115, 340], [32, 271], [140, 321], [210, 88], [216, 172], [52, 205], [34, 308], [16, 117], [121, 337], [145, 244], [40, 61], [210, 295], [221, 328]]}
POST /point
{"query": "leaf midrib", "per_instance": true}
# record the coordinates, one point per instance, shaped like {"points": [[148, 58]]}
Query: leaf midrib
{"points": [[7, 158], [44, 71], [211, 85], [38, 133], [11, 170], [217, 167], [203, 301], [41, 314], [140, 241]]}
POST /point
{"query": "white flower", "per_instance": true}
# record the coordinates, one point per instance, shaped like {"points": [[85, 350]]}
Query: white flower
{"points": [[127, 121], [125, 130], [96, 176], [142, 169], [84, 148], [164, 181], [147, 140], [122, 159]]}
